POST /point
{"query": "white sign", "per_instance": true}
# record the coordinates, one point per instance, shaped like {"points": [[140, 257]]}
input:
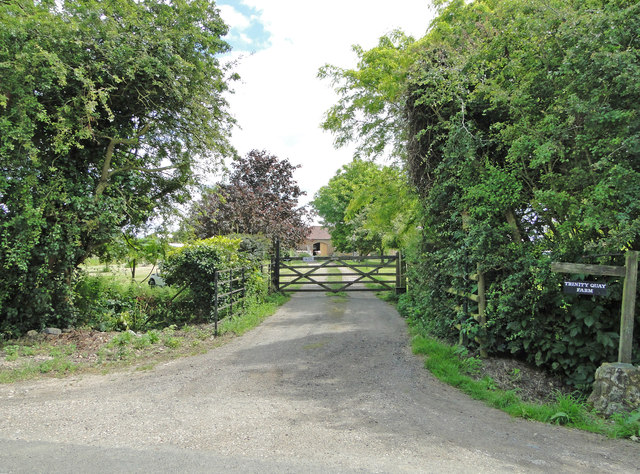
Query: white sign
{"points": [[307, 259]]}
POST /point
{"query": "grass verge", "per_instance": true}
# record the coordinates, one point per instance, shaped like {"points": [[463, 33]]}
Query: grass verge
{"points": [[253, 315], [451, 365]]}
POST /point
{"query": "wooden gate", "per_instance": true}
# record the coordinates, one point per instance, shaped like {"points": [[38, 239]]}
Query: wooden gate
{"points": [[339, 273]]}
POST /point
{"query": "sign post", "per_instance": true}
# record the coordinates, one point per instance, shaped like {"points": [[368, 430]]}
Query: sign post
{"points": [[630, 274], [628, 307]]}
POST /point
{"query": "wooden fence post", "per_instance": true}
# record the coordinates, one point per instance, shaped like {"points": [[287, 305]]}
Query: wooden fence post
{"points": [[215, 302], [482, 308], [401, 279], [628, 307], [275, 266]]}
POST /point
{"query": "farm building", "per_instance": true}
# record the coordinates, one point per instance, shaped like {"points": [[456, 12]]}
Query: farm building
{"points": [[317, 243]]}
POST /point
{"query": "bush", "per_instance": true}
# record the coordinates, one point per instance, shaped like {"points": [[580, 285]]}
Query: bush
{"points": [[256, 248], [528, 315], [194, 267], [108, 304]]}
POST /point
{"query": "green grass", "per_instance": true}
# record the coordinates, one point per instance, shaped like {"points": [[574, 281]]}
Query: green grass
{"points": [[450, 365], [335, 279], [57, 364], [253, 315], [117, 271]]}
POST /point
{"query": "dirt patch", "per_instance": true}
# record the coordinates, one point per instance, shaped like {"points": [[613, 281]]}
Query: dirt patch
{"points": [[530, 383], [88, 350]]}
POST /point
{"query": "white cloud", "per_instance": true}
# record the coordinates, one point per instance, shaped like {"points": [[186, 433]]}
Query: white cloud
{"points": [[279, 103], [233, 18]]}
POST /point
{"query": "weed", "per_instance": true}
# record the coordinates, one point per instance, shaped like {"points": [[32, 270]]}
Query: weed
{"points": [[202, 334], [28, 351], [11, 352], [570, 409], [145, 367], [141, 342], [490, 384], [338, 294], [515, 375], [627, 425], [56, 352], [172, 342], [58, 366], [560, 418], [153, 336], [122, 339]]}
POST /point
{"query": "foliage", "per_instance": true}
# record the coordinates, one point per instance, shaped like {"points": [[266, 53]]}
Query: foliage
{"points": [[372, 97], [367, 207], [134, 250], [193, 267], [109, 305], [253, 315], [104, 107], [256, 248], [522, 136], [514, 167], [261, 198]]}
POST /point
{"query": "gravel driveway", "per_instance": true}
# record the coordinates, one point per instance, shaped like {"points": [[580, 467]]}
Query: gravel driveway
{"points": [[327, 384]]}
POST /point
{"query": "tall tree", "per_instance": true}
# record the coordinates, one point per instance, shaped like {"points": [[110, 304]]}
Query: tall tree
{"points": [[367, 207], [104, 107], [369, 111], [260, 198]]}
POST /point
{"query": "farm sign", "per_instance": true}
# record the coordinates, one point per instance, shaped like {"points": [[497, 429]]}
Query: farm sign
{"points": [[585, 288]]}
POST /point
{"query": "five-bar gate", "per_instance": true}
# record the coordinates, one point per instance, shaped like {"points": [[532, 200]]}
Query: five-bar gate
{"points": [[339, 273]]}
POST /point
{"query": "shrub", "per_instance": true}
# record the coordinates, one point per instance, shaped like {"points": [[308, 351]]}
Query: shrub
{"points": [[194, 267], [109, 304]]}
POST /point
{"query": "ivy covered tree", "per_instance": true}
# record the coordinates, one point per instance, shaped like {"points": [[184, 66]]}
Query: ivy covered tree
{"points": [[104, 107], [261, 198], [522, 138]]}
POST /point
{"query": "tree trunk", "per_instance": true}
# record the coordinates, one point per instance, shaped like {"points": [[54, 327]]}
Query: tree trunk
{"points": [[513, 225]]}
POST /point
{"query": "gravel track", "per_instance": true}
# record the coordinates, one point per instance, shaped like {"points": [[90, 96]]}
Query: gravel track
{"points": [[327, 384]]}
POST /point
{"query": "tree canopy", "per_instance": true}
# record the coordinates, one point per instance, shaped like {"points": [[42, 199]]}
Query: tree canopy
{"points": [[261, 198], [105, 108], [367, 207]]}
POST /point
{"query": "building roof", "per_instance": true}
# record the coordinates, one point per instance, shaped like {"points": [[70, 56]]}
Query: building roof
{"points": [[317, 232]]}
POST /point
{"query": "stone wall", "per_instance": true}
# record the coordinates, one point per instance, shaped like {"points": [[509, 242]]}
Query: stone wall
{"points": [[616, 389]]}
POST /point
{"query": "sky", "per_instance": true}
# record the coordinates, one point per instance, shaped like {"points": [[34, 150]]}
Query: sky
{"points": [[279, 102]]}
